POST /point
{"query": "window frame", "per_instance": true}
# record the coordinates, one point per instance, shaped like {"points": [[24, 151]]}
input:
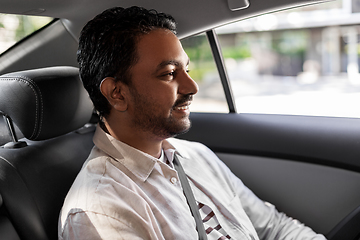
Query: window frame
{"points": [[220, 65]]}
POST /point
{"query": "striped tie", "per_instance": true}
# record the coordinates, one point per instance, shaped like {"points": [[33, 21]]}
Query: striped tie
{"points": [[212, 227]]}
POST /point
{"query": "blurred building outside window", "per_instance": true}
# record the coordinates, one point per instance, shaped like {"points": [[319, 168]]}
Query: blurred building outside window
{"points": [[302, 61]]}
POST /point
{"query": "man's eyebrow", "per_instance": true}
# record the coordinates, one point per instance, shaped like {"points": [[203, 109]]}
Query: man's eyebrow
{"points": [[171, 62]]}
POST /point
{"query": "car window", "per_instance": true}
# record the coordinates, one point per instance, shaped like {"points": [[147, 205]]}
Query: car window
{"points": [[13, 28], [202, 69], [303, 61]]}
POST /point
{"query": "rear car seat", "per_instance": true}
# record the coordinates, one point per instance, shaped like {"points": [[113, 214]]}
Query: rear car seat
{"points": [[53, 112]]}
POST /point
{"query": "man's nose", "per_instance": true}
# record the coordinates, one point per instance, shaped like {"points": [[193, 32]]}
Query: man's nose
{"points": [[187, 85]]}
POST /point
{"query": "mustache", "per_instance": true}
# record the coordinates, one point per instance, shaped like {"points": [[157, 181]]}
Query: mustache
{"points": [[183, 99]]}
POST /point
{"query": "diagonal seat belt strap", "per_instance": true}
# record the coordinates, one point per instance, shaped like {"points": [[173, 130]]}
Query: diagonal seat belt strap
{"points": [[190, 199]]}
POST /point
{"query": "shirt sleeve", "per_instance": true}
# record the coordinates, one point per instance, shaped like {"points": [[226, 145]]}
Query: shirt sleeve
{"points": [[95, 226], [272, 224], [268, 222]]}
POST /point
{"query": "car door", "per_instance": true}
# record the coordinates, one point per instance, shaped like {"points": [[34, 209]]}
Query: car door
{"points": [[306, 166]]}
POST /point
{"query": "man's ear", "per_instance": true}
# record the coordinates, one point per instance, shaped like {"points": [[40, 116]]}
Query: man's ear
{"points": [[115, 93]]}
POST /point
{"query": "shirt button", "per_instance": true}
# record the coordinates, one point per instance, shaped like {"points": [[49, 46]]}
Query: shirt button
{"points": [[173, 180]]}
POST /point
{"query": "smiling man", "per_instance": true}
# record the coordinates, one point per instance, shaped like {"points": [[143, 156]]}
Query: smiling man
{"points": [[154, 105], [132, 186]]}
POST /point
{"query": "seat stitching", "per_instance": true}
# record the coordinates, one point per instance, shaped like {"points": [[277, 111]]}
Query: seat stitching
{"points": [[37, 92]]}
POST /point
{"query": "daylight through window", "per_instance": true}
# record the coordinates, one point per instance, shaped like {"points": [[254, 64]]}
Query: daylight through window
{"points": [[303, 61], [13, 28]]}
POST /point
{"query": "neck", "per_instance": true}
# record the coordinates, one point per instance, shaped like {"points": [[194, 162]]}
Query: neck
{"points": [[140, 140]]}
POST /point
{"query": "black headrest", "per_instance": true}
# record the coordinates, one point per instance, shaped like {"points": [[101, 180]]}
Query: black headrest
{"points": [[46, 102]]}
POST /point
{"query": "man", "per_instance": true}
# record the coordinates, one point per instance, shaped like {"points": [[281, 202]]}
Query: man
{"points": [[135, 70]]}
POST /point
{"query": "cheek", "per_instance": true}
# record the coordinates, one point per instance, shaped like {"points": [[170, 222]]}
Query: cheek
{"points": [[162, 96], [159, 96], [168, 97], [164, 102]]}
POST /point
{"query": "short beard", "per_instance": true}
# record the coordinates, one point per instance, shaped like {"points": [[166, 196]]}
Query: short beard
{"points": [[161, 127]]}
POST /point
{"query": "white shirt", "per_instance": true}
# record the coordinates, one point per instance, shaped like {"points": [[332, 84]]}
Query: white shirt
{"points": [[123, 193]]}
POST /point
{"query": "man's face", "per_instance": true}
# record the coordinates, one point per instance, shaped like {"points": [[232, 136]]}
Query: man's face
{"points": [[161, 88]]}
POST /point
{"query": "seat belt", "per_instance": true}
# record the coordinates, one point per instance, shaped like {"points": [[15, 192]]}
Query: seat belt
{"points": [[190, 199]]}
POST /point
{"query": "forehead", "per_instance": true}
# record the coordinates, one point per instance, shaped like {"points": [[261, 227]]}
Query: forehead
{"points": [[158, 46]]}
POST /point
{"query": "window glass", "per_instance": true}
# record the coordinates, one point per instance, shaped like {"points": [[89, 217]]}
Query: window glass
{"points": [[13, 28], [210, 97], [303, 61]]}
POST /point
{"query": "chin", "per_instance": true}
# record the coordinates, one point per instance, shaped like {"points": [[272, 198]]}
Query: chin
{"points": [[184, 128]]}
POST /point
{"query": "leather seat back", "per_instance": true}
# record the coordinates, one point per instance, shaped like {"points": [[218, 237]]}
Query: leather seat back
{"points": [[52, 110]]}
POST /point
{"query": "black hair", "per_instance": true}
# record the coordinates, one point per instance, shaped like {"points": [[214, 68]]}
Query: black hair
{"points": [[107, 47]]}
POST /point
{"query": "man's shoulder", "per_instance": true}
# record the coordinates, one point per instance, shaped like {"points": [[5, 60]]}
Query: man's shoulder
{"points": [[98, 170], [98, 185], [88, 179]]}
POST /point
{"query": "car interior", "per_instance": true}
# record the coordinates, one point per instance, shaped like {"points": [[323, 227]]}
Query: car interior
{"points": [[307, 166]]}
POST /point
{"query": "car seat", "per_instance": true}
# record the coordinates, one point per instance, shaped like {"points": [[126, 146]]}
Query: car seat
{"points": [[53, 112]]}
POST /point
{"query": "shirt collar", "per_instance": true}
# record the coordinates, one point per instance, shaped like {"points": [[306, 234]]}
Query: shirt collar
{"points": [[139, 163]]}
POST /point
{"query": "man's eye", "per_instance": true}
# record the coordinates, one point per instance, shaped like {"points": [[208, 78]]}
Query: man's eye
{"points": [[170, 74]]}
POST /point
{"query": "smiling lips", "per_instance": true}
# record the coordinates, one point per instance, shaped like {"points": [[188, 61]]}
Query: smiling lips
{"points": [[182, 107], [183, 103]]}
